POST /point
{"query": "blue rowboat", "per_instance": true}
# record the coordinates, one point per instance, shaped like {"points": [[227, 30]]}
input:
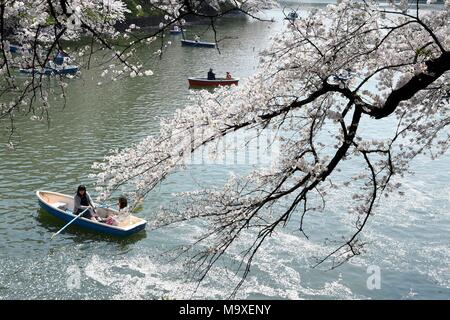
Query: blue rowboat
{"points": [[193, 43], [51, 71], [292, 16], [15, 49], [60, 206]]}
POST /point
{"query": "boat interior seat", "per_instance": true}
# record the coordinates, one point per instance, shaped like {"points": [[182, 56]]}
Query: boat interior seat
{"points": [[60, 205]]}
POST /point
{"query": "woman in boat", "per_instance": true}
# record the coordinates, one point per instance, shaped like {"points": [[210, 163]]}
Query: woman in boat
{"points": [[123, 212], [83, 201], [229, 77], [123, 204]]}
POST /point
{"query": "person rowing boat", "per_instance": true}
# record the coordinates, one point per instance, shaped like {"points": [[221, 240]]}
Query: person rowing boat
{"points": [[83, 202]]}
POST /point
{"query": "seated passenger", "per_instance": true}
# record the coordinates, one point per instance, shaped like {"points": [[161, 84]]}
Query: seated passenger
{"points": [[123, 212], [211, 75]]}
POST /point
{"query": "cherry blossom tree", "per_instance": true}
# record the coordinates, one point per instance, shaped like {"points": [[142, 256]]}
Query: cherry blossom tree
{"points": [[329, 74], [323, 79]]}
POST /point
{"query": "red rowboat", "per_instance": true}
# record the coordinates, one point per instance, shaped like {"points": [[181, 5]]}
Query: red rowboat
{"points": [[203, 82]]}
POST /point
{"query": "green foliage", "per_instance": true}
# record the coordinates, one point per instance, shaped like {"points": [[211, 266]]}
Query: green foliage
{"points": [[424, 52], [50, 21], [147, 10], [138, 208], [92, 15]]}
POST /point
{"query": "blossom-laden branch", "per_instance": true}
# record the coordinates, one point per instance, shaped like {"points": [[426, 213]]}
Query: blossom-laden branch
{"points": [[323, 74]]}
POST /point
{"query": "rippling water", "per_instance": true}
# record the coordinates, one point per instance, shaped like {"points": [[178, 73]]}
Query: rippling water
{"points": [[407, 237]]}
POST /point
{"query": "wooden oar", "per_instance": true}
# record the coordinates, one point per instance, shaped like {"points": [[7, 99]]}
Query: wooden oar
{"points": [[55, 234]]}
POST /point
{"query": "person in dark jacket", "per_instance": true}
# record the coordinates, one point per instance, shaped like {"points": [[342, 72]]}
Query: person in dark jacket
{"points": [[83, 201], [211, 75], [60, 58]]}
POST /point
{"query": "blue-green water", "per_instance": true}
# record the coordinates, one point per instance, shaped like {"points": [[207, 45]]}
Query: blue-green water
{"points": [[407, 238]]}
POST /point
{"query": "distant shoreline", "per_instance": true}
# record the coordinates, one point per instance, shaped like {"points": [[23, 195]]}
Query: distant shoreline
{"points": [[154, 21]]}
